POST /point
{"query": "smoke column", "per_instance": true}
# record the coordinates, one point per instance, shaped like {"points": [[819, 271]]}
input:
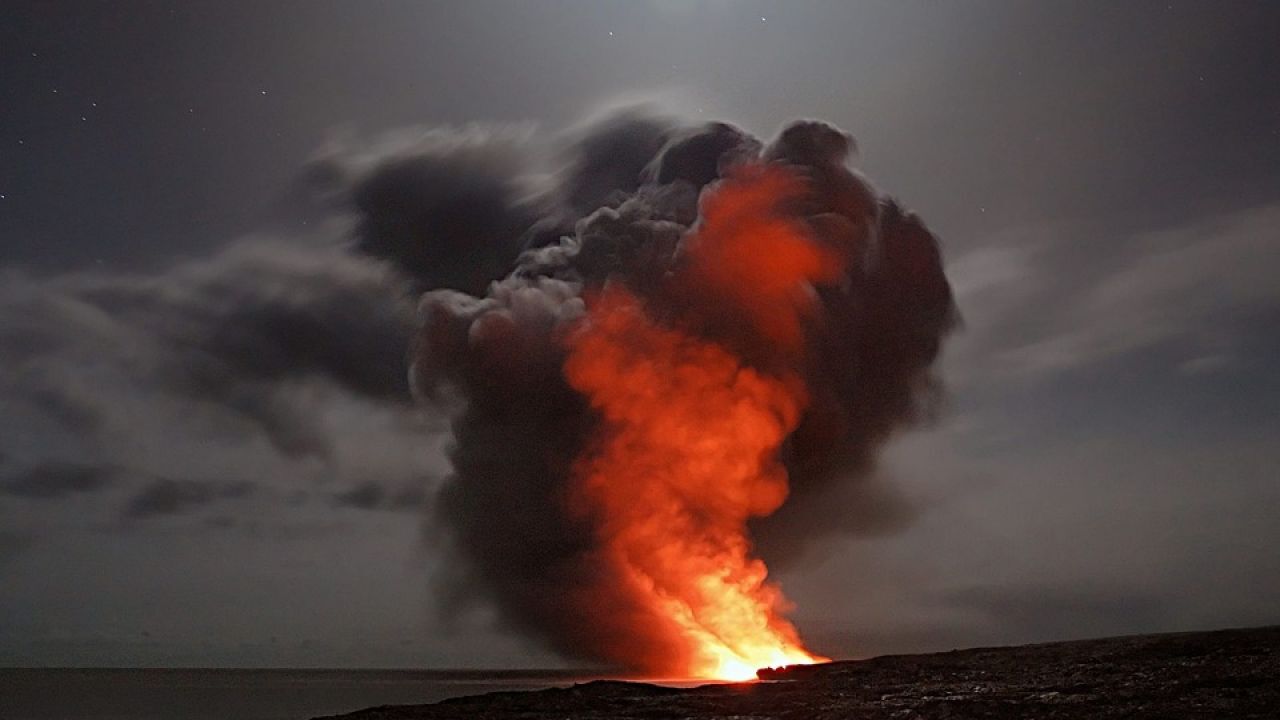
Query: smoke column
{"points": [[717, 347]]}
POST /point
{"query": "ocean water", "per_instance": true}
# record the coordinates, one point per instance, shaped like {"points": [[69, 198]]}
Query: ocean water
{"points": [[76, 694]]}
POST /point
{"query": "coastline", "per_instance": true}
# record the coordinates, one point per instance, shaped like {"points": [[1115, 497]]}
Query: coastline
{"points": [[1224, 673]]}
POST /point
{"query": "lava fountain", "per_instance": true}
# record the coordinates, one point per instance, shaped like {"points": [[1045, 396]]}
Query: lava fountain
{"points": [[688, 449]]}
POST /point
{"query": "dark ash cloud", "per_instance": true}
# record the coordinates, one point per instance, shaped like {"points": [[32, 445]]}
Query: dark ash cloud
{"points": [[449, 208]]}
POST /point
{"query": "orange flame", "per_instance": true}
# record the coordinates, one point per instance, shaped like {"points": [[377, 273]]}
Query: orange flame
{"points": [[689, 450]]}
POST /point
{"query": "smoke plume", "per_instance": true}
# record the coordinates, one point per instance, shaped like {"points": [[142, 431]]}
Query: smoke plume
{"points": [[701, 347]]}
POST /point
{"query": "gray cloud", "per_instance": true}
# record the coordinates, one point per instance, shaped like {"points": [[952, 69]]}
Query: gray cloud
{"points": [[374, 496], [165, 496], [236, 332], [53, 480], [278, 366], [1042, 306]]}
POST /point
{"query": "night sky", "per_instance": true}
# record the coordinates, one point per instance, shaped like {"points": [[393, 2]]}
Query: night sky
{"points": [[183, 483]]}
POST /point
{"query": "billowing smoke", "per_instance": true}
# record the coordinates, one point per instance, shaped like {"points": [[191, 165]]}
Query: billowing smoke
{"points": [[585, 377]]}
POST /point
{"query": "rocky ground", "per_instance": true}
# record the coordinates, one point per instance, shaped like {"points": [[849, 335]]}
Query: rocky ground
{"points": [[1225, 674]]}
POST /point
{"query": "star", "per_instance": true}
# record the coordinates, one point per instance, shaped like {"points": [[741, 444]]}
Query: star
{"points": [[762, 19], [264, 92]]}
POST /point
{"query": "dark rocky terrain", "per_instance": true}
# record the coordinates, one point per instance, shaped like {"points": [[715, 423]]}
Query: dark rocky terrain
{"points": [[1223, 674]]}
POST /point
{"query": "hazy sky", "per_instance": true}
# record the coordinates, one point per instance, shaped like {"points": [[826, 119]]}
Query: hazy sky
{"points": [[1105, 178]]}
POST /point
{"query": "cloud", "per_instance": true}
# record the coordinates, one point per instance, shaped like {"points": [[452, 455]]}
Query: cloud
{"points": [[277, 364], [165, 496], [448, 207], [1042, 305], [53, 480], [232, 331], [606, 157], [374, 496]]}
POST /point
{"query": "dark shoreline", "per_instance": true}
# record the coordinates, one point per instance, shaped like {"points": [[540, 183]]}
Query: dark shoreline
{"points": [[1218, 674]]}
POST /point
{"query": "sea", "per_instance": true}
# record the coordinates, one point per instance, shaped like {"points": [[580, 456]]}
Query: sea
{"points": [[172, 694]]}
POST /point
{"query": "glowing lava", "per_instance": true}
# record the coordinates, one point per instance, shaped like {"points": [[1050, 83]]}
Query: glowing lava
{"points": [[688, 451]]}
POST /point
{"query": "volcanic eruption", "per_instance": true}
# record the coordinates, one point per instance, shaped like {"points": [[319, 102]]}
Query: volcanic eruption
{"points": [[700, 331]]}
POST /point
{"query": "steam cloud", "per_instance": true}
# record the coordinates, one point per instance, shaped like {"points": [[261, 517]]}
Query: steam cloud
{"points": [[618, 216]]}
